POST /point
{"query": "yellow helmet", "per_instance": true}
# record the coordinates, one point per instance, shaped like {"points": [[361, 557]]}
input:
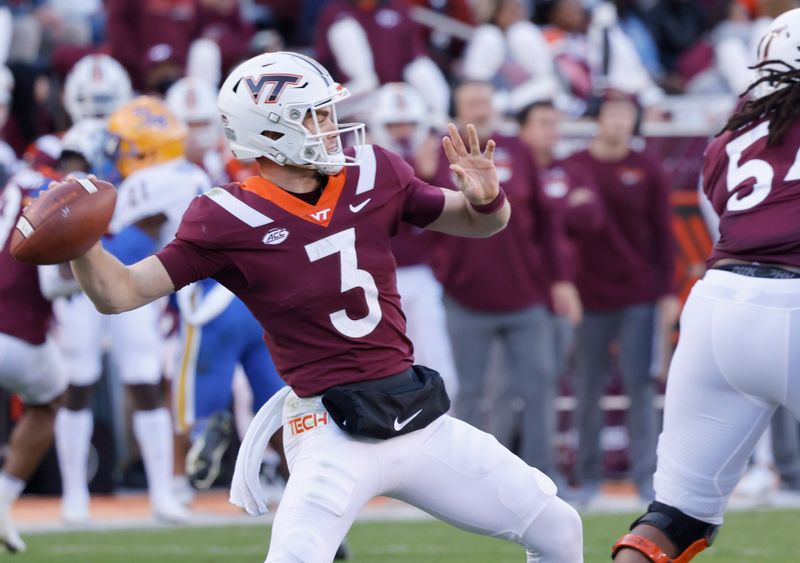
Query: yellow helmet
{"points": [[144, 133]]}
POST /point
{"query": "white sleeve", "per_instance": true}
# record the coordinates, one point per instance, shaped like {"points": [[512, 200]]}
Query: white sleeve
{"points": [[6, 24], [730, 53], [485, 53], [350, 46], [528, 47], [52, 284], [423, 74]]}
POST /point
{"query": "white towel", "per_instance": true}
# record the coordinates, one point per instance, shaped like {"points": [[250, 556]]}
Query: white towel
{"points": [[246, 485]]}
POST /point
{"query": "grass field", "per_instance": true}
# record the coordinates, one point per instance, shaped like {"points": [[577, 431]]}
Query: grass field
{"points": [[754, 537]]}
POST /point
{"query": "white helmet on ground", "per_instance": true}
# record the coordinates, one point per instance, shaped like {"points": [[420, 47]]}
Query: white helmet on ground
{"points": [[95, 87], [778, 51], [264, 103], [194, 102], [394, 104]]}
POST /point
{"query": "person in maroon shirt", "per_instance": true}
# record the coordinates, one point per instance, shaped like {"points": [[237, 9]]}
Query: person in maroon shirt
{"points": [[367, 43], [30, 364], [498, 290], [626, 272], [306, 246], [570, 193], [736, 360]]}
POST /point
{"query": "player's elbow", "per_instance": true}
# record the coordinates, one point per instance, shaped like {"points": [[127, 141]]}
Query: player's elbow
{"points": [[110, 308]]}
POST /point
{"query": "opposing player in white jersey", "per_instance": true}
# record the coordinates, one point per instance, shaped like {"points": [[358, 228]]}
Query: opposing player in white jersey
{"points": [[306, 245], [737, 359], [146, 142], [400, 121]]}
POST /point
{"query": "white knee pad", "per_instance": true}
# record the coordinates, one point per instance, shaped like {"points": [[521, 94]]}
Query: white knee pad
{"points": [[556, 536]]}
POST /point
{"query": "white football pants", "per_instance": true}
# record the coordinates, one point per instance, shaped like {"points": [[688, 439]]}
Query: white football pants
{"points": [[137, 342], [34, 372], [449, 469], [738, 359]]}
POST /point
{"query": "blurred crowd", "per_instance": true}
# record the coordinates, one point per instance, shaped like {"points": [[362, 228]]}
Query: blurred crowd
{"points": [[582, 280], [568, 50]]}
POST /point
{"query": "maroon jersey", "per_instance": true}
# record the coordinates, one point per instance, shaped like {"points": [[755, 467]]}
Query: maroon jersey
{"points": [[319, 278], [394, 37], [24, 312], [755, 190], [580, 213], [631, 259], [513, 269]]}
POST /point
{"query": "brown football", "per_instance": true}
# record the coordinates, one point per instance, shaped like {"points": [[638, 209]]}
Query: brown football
{"points": [[64, 221]]}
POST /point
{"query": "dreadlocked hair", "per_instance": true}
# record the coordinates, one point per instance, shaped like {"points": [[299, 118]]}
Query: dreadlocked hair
{"points": [[782, 107]]}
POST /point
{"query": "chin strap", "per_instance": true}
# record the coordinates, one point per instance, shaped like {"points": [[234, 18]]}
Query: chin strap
{"points": [[653, 552]]}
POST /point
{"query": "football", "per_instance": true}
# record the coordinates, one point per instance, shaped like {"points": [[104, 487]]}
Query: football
{"points": [[64, 221]]}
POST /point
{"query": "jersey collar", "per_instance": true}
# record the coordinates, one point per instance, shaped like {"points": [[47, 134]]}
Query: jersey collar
{"points": [[319, 214]]}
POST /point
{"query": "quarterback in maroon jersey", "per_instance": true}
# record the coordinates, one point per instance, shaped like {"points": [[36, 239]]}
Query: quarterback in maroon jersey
{"points": [[306, 245], [737, 359], [29, 361]]}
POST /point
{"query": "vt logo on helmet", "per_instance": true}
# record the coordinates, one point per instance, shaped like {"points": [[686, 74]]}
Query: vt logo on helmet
{"points": [[277, 82], [282, 106]]}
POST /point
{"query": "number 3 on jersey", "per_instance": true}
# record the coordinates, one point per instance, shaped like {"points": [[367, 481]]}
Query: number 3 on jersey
{"points": [[344, 244], [760, 170]]}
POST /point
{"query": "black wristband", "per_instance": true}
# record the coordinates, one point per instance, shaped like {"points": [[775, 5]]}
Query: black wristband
{"points": [[491, 207]]}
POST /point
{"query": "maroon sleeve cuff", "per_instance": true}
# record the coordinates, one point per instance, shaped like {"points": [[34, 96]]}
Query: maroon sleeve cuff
{"points": [[493, 206]]}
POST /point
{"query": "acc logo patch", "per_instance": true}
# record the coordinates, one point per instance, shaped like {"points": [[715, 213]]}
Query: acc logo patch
{"points": [[275, 236], [277, 85]]}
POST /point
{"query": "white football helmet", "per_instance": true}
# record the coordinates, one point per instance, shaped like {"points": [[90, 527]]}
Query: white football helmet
{"points": [[95, 87], [398, 103], [86, 138], [264, 103], [6, 86], [194, 102], [780, 45]]}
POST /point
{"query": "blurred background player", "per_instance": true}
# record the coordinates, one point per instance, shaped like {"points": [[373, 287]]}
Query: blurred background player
{"points": [[497, 293], [146, 144], [219, 334], [625, 281], [29, 360], [94, 87], [9, 163], [400, 122]]}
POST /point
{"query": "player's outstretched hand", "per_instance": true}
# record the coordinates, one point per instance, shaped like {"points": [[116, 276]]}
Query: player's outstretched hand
{"points": [[475, 172]]}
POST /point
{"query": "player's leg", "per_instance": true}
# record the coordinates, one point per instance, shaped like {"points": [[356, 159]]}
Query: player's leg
{"points": [[530, 356], [137, 349], [80, 338], [707, 410], [332, 477], [636, 358], [221, 347], [466, 478], [36, 373], [427, 323], [471, 335], [592, 365]]}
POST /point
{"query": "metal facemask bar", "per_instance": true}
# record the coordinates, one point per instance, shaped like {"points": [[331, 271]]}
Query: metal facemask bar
{"points": [[315, 142]]}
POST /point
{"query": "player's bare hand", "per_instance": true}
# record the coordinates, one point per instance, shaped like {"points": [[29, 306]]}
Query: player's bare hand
{"points": [[475, 173], [567, 302]]}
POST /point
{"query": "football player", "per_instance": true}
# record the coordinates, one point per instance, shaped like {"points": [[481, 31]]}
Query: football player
{"points": [[736, 360], [30, 364], [9, 163], [400, 122], [146, 143], [95, 86], [306, 246]]}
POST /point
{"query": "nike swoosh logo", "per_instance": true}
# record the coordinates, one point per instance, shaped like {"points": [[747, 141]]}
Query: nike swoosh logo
{"points": [[360, 206], [398, 426]]}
